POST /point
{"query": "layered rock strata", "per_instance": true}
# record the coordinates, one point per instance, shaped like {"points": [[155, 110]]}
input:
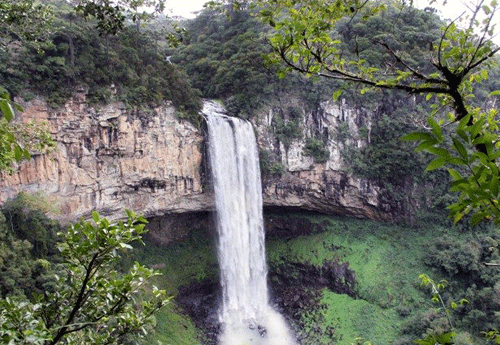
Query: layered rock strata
{"points": [[111, 158]]}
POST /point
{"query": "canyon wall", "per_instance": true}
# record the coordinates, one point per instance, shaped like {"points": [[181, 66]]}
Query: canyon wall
{"points": [[110, 158], [326, 187]]}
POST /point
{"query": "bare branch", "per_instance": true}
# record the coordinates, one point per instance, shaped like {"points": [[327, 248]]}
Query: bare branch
{"points": [[482, 40], [480, 61]]}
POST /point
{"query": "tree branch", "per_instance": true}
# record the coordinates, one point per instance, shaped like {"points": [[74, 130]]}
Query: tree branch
{"points": [[78, 304]]}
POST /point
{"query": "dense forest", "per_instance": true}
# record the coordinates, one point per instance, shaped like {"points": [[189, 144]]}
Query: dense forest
{"points": [[79, 55], [373, 293]]}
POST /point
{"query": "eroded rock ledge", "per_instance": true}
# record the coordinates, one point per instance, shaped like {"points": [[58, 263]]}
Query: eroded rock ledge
{"points": [[111, 158]]}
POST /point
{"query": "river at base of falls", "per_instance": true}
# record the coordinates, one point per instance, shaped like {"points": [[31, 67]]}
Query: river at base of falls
{"points": [[245, 313], [271, 330]]}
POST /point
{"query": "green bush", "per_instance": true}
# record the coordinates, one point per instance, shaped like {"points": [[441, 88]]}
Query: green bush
{"points": [[268, 165], [317, 150], [286, 131], [26, 236], [76, 54]]}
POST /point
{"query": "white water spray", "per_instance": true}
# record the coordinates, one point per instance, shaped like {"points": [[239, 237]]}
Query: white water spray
{"points": [[245, 313]]}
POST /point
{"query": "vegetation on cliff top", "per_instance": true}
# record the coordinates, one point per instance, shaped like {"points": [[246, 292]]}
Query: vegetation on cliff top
{"points": [[77, 54]]}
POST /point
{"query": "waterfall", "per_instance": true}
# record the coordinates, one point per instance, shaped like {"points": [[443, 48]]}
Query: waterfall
{"points": [[245, 313]]}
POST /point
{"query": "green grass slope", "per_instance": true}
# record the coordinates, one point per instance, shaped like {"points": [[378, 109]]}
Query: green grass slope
{"points": [[387, 259]]}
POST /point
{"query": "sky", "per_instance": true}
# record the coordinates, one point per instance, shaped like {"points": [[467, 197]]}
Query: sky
{"points": [[184, 8]]}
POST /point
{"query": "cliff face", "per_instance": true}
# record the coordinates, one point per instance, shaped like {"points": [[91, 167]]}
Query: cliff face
{"points": [[110, 158], [326, 187]]}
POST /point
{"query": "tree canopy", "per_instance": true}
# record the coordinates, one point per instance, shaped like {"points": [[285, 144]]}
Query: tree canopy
{"points": [[306, 36], [85, 297]]}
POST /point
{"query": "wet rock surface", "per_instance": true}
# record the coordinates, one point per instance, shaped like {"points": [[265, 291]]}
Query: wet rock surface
{"points": [[295, 289], [200, 300]]}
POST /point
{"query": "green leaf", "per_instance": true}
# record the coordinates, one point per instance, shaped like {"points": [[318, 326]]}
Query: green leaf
{"points": [[455, 174], [494, 185], [125, 246], [463, 122], [464, 301], [458, 216], [458, 161], [460, 148], [436, 163], [477, 127], [478, 218], [438, 151], [494, 93], [462, 134], [436, 128], [336, 95], [446, 338], [6, 108], [95, 216], [458, 185], [424, 145]]}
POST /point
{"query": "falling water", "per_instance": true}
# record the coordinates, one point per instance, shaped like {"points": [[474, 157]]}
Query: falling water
{"points": [[245, 313]]}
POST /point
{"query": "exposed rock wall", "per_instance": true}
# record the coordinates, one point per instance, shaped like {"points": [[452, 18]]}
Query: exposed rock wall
{"points": [[113, 158], [326, 187], [110, 159]]}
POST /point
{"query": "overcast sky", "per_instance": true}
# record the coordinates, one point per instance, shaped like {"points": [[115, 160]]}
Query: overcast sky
{"points": [[184, 8]]}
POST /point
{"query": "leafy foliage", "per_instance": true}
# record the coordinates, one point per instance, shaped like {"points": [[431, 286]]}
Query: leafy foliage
{"points": [[317, 150], [91, 302], [129, 66], [384, 157], [269, 164], [24, 20], [286, 130], [223, 55], [302, 40], [112, 15]]}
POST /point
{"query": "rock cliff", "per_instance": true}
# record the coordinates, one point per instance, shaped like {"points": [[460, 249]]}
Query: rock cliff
{"points": [[326, 187], [111, 158]]}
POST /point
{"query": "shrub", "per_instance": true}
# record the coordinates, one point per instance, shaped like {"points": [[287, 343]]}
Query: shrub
{"points": [[317, 150], [268, 165]]}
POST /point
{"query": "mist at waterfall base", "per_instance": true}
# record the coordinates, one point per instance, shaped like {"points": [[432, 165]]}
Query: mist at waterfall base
{"points": [[245, 313]]}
